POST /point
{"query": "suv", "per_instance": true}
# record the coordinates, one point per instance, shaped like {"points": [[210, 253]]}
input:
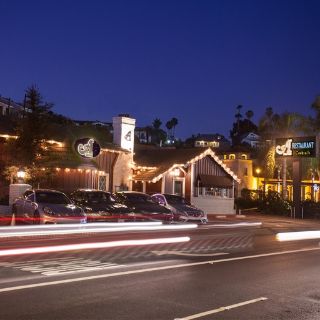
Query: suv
{"points": [[181, 208]]}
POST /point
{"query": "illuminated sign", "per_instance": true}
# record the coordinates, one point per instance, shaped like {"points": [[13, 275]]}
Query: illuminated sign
{"points": [[87, 148], [296, 147]]}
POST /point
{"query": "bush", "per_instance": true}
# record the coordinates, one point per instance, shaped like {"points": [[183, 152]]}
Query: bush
{"points": [[249, 199], [311, 209], [274, 204]]}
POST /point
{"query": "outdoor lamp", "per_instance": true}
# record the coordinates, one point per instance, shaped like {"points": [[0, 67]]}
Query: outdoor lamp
{"points": [[258, 171], [21, 175]]}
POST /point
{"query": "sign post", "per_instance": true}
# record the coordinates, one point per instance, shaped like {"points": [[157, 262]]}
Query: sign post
{"points": [[296, 148]]}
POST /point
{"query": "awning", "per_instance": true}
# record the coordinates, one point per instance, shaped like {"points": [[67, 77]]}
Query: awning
{"points": [[209, 181]]}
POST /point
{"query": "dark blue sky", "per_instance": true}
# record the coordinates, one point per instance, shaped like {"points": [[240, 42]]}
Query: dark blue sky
{"points": [[194, 60]]}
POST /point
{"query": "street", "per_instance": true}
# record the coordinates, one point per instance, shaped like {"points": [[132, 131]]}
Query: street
{"points": [[229, 269]]}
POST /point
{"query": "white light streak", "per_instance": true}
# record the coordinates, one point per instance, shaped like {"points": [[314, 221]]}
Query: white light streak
{"points": [[83, 226], [93, 245], [300, 235], [28, 233], [236, 225]]}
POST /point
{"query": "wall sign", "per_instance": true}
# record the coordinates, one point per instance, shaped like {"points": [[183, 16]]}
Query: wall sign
{"points": [[296, 147], [87, 147]]}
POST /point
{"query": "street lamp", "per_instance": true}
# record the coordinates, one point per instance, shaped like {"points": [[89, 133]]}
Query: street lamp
{"points": [[258, 171], [21, 175]]}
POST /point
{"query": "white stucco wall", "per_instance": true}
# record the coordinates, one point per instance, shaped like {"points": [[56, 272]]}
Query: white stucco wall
{"points": [[122, 171], [214, 205]]}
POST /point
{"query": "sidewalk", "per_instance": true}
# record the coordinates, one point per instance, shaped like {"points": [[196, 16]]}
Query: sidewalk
{"points": [[260, 217]]}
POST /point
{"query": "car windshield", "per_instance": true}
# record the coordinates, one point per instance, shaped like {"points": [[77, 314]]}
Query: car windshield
{"points": [[52, 197], [139, 198], [100, 197], [171, 199]]}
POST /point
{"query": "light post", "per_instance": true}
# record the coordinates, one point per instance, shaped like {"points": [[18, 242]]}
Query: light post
{"points": [[312, 187], [258, 171], [279, 179], [21, 175]]}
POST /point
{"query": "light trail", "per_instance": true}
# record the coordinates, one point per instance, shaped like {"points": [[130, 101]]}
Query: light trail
{"points": [[299, 235], [83, 226], [236, 225], [28, 233], [93, 245]]}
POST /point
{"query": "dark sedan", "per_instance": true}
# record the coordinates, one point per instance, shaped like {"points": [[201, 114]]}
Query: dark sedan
{"points": [[102, 206], [141, 203]]}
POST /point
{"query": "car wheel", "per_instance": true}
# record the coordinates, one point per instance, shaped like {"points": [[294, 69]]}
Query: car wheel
{"points": [[36, 217]]}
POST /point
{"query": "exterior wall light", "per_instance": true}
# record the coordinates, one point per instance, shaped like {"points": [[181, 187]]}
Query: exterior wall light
{"points": [[21, 174], [175, 172]]}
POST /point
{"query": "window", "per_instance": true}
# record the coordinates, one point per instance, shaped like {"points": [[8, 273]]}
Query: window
{"points": [[244, 157], [159, 199], [30, 197], [245, 172], [102, 184], [52, 198], [232, 156], [27, 193]]}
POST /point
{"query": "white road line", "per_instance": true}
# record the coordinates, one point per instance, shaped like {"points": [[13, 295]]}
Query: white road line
{"points": [[59, 267], [188, 254], [124, 273], [221, 309], [232, 225]]}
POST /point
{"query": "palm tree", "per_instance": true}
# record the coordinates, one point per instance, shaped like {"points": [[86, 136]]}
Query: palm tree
{"points": [[169, 126], [157, 123], [249, 114], [238, 115], [272, 126], [174, 122]]}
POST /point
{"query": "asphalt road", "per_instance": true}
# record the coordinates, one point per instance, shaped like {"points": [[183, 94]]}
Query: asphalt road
{"points": [[233, 269]]}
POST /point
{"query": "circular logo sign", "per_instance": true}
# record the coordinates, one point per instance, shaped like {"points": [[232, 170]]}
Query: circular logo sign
{"points": [[87, 147]]}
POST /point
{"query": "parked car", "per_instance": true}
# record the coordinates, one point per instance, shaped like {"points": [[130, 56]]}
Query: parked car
{"points": [[181, 208], [142, 203], [43, 206], [102, 206]]}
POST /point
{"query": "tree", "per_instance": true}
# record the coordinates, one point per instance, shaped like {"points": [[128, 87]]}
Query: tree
{"points": [[249, 114], [174, 124], [169, 126], [242, 127], [272, 126], [32, 128], [157, 123]]}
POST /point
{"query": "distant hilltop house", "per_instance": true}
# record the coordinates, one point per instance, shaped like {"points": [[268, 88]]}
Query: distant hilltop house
{"points": [[9, 107], [211, 140], [252, 139], [95, 123]]}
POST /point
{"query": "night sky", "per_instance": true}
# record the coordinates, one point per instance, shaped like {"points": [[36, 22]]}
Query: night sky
{"points": [[193, 60]]}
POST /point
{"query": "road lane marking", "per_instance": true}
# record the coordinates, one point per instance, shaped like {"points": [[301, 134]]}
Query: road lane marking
{"points": [[60, 267], [181, 253], [221, 309], [232, 225], [124, 273]]}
